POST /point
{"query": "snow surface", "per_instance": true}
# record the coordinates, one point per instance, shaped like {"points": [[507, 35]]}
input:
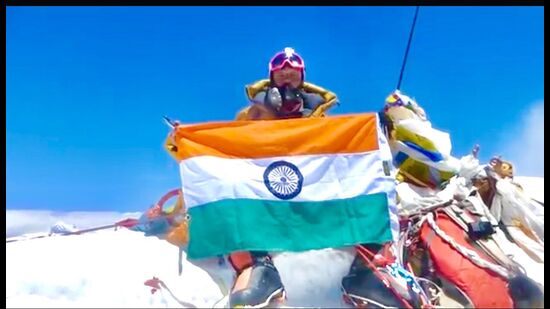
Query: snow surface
{"points": [[108, 268]]}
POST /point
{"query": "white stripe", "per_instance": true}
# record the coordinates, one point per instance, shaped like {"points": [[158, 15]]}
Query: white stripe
{"points": [[326, 177]]}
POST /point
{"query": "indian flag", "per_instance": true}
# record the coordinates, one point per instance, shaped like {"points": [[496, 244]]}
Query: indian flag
{"points": [[286, 185]]}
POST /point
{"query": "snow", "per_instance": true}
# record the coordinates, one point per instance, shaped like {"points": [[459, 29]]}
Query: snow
{"points": [[61, 227], [532, 186], [108, 268]]}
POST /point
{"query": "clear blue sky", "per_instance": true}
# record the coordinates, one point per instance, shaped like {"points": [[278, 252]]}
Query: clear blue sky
{"points": [[87, 86]]}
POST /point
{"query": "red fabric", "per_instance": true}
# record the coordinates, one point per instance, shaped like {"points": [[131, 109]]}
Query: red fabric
{"points": [[168, 196], [128, 223], [154, 284], [485, 288], [240, 260]]}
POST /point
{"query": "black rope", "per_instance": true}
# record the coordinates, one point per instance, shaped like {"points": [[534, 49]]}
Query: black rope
{"points": [[407, 50]]}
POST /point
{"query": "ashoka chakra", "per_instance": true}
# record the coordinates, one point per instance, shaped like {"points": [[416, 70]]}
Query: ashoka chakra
{"points": [[283, 179]]}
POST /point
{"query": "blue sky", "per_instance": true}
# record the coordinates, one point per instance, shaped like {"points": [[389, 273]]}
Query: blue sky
{"points": [[87, 86]]}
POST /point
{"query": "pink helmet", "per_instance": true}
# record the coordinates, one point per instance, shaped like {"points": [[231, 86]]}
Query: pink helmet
{"points": [[287, 57]]}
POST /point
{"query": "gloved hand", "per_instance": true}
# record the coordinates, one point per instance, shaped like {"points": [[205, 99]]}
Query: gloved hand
{"points": [[279, 97], [273, 98]]}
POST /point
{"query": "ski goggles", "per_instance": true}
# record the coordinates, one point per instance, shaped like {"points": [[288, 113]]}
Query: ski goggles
{"points": [[282, 58]]}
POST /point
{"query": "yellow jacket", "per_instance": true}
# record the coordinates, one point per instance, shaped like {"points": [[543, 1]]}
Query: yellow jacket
{"points": [[261, 112]]}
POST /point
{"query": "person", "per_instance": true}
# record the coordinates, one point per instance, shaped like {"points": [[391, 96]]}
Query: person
{"points": [[286, 94]]}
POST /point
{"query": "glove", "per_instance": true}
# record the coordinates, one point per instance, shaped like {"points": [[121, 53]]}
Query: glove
{"points": [[273, 98]]}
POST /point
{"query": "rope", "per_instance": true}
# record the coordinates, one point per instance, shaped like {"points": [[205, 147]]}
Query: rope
{"points": [[391, 268], [469, 254], [364, 254], [408, 47], [127, 223], [427, 208]]}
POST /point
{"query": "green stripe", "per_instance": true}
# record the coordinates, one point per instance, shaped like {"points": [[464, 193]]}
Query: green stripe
{"points": [[227, 226]]}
